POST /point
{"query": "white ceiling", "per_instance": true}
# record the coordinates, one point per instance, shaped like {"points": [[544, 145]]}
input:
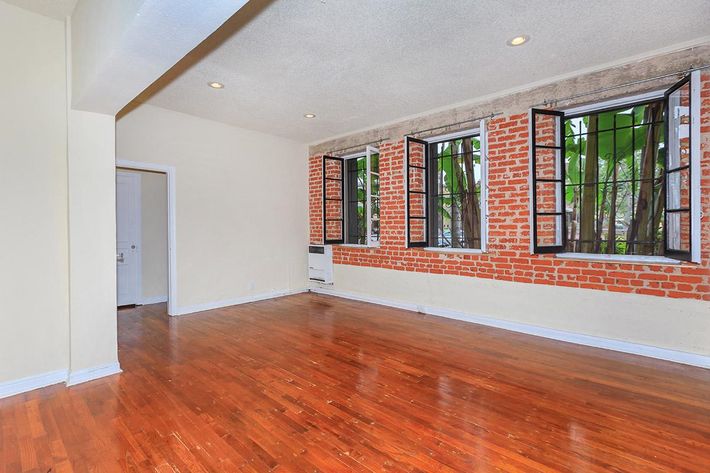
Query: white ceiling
{"points": [[58, 9], [360, 63]]}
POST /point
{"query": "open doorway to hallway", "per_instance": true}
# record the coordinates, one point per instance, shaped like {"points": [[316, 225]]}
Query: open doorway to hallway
{"points": [[142, 268]]}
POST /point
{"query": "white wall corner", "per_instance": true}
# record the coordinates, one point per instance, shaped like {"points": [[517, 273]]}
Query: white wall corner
{"points": [[236, 301], [153, 300], [90, 374]]}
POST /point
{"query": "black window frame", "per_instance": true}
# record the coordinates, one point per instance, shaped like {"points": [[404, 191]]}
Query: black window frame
{"points": [[326, 240], [545, 249], [669, 253], [425, 169], [351, 186], [433, 185], [674, 253]]}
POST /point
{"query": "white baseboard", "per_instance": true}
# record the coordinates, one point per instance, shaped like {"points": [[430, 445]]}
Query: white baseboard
{"points": [[153, 300], [90, 374], [19, 386], [692, 359], [239, 300]]}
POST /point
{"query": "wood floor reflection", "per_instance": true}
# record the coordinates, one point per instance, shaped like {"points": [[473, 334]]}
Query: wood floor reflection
{"points": [[314, 383]]}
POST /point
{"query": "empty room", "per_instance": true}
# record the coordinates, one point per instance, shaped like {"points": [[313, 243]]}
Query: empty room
{"points": [[355, 235]]}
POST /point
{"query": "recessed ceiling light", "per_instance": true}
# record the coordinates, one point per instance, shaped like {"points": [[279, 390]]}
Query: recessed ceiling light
{"points": [[216, 85], [309, 115], [518, 40]]}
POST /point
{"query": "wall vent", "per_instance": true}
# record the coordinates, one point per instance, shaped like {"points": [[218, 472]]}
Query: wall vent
{"points": [[320, 263]]}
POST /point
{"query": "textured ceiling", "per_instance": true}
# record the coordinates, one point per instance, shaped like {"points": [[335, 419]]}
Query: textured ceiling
{"points": [[360, 63], [58, 9]]}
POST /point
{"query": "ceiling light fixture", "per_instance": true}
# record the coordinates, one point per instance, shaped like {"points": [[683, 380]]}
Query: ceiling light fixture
{"points": [[216, 85], [309, 115], [518, 40]]}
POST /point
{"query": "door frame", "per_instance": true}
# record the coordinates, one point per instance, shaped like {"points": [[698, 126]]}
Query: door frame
{"points": [[169, 172], [138, 233]]}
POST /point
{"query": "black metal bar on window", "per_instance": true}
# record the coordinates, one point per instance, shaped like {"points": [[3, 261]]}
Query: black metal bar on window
{"points": [[326, 219]]}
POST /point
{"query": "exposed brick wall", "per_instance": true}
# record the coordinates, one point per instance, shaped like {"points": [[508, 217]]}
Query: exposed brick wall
{"points": [[508, 257], [315, 195]]}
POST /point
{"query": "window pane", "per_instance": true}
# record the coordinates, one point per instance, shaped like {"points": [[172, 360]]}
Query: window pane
{"points": [[356, 200], [678, 227], [417, 205], [456, 207], [417, 230], [547, 130], [333, 230], [417, 182], [546, 160], [574, 155], [333, 204], [549, 230], [679, 126], [333, 169], [548, 197], [617, 157], [416, 154], [678, 189]]}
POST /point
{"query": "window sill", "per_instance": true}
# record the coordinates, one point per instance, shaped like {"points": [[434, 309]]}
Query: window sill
{"points": [[633, 259], [356, 245], [465, 251]]}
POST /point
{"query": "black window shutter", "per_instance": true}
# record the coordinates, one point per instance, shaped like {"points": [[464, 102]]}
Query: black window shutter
{"points": [[417, 185], [681, 172], [547, 170], [333, 200]]}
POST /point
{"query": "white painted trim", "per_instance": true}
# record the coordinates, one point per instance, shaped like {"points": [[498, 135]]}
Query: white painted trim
{"points": [[90, 374], [696, 210], [360, 154], [637, 259], [483, 138], [153, 300], [453, 136], [236, 301], [470, 251], [172, 219], [355, 245], [613, 103], [30, 383], [692, 359]]}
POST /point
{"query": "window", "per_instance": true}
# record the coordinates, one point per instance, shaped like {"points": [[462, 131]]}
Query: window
{"points": [[351, 202], [446, 198], [616, 181]]}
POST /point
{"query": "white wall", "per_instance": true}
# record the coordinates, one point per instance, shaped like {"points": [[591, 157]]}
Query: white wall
{"points": [[602, 314], [92, 242], [34, 314], [241, 204], [154, 236]]}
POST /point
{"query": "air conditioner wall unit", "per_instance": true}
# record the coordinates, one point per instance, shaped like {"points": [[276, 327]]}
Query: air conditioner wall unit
{"points": [[320, 263]]}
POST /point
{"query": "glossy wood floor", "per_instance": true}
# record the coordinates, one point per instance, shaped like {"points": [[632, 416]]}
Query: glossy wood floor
{"points": [[313, 383]]}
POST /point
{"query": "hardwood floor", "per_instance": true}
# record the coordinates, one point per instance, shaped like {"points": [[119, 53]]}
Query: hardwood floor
{"points": [[314, 383]]}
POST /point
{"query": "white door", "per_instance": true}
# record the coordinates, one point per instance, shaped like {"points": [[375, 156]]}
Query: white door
{"points": [[128, 225]]}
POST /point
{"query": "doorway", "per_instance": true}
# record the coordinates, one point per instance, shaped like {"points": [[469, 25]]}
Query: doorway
{"points": [[128, 238], [144, 234]]}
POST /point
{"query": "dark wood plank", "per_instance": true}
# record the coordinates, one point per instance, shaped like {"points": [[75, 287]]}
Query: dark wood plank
{"points": [[314, 383]]}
